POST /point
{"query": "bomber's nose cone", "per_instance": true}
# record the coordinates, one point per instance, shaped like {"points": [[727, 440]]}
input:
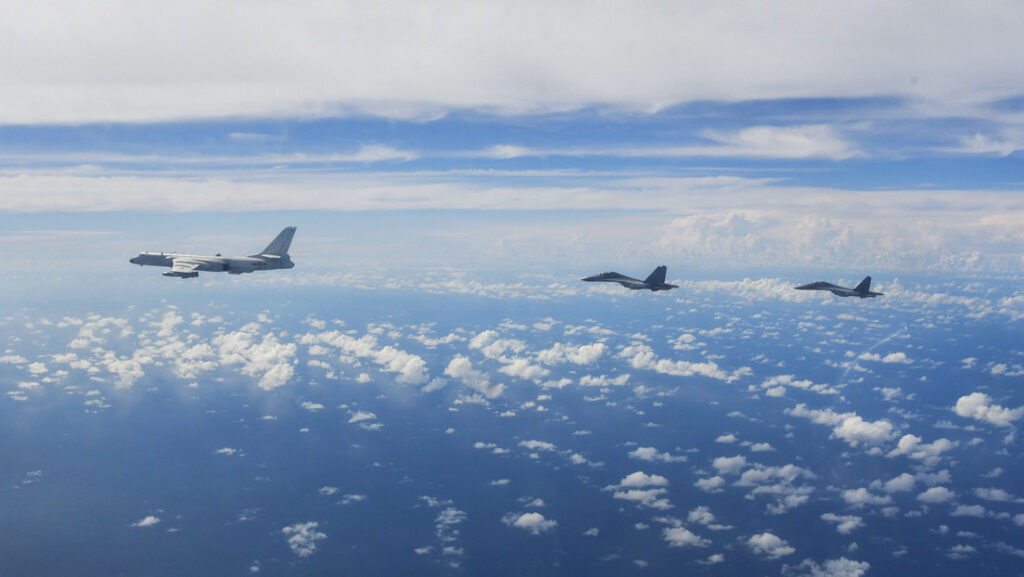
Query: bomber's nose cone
{"points": [[133, 259]]}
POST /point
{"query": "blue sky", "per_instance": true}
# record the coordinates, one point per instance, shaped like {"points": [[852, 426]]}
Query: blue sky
{"points": [[876, 136], [453, 169]]}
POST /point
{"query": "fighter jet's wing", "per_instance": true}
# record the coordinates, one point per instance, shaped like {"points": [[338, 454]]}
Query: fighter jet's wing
{"points": [[184, 266]]}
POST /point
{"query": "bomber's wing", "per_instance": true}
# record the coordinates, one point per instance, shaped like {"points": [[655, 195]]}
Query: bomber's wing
{"points": [[184, 268]]}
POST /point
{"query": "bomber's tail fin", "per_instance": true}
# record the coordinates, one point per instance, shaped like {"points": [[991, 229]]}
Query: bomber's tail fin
{"points": [[864, 286], [279, 246], [658, 276]]}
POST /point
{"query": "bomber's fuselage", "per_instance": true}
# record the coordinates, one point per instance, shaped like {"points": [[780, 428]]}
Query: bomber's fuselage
{"points": [[232, 264]]}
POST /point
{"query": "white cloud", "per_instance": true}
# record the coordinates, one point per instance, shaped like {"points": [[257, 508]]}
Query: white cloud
{"points": [[982, 144], [845, 524], [968, 511], [643, 489], [350, 498], [147, 521], [535, 523], [711, 484], [847, 426], [979, 406], [769, 545], [927, 453], [779, 483], [265, 357], [994, 494], [936, 495], [361, 416], [37, 368], [641, 356], [524, 369], [461, 368], [841, 567], [537, 445], [652, 454], [329, 60], [891, 358], [729, 465], [411, 369], [776, 386], [127, 370], [861, 496], [855, 430], [683, 537], [492, 346], [901, 483], [302, 538], [576, 354], [641, 479], [603, 381], [811, 141]]}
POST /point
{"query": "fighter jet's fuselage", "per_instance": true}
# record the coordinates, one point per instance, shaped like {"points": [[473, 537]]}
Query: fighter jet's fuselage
{"points": [[654, 282], [862, 290]]}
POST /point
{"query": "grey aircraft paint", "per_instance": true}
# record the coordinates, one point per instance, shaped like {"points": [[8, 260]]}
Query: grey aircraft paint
{"points": [[654, 282], [862, 290], [275, 256]]}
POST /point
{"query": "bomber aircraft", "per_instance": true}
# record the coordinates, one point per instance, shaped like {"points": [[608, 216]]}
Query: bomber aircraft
{"points": [[654, 282], [275, 256], [862, 290]]}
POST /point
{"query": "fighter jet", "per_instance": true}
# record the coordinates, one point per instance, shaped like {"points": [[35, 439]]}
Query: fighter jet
{"points": [[654, 282], [275, 256], [862, 290]]}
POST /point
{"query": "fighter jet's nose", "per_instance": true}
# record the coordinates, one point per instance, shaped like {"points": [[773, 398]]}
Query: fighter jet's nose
{"points": [[590, 278]]}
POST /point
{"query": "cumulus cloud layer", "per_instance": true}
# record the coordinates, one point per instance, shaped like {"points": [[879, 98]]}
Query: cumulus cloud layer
{"points": [[260, 356]]}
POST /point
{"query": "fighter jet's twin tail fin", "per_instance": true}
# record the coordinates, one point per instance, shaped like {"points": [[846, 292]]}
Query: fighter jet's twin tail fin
{"points": [[657, 277], [279, 246], [864, 286]]}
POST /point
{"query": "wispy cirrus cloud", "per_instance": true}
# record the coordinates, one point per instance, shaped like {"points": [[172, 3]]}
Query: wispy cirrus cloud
{"points": [[780, 142], [338, 59]]}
